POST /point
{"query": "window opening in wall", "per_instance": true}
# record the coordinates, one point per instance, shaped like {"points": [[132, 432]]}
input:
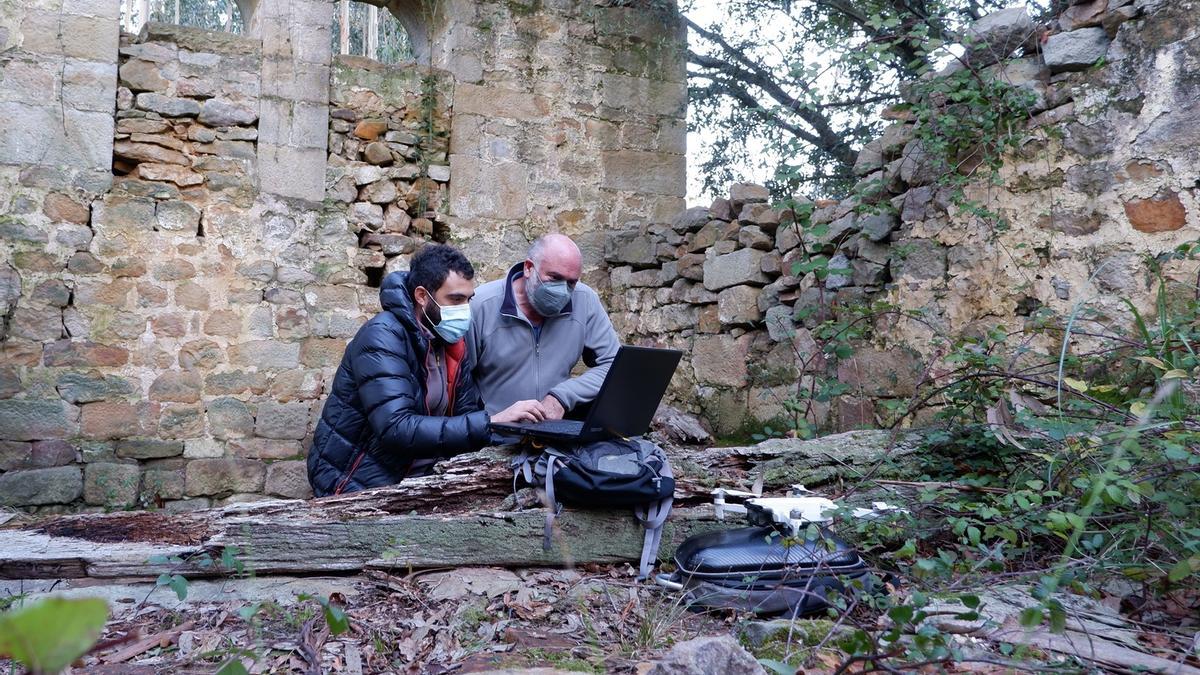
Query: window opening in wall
{"points": [[214, 15], [366, 30]]}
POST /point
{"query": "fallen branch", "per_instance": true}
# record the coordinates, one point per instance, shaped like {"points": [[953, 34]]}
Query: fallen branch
{"points": [[161, 639]]}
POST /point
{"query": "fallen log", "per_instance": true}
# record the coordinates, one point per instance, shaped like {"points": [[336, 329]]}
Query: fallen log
{"points": [[463, 515]]}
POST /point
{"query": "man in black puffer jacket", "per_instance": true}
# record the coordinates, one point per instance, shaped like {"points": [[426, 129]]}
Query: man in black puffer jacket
{"points": [[402, 397]]}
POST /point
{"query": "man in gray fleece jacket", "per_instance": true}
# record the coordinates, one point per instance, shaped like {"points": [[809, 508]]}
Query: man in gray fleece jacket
{"points": [[530, 328]]}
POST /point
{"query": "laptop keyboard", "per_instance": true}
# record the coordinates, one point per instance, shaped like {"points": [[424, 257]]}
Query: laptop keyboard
{"points": [[556, 426]]}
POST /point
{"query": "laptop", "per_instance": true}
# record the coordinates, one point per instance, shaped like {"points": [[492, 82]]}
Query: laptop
{"points": [[632, 389]]}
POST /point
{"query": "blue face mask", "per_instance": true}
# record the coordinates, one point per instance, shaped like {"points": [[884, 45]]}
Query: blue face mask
{"points": [[549, 297], [456, 321]]}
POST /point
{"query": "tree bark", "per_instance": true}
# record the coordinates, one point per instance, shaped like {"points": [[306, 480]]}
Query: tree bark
{"points": [[460, 516], [343, 26]]}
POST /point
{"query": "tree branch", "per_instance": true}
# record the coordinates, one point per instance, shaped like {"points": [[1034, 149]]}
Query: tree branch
{"points": [[742, 70]]}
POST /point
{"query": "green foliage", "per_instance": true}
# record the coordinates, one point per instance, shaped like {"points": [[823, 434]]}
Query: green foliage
{"points": [[966, 122], [218, 15], [48, 635], [335, 616], [795, 88], [1060, 473]]}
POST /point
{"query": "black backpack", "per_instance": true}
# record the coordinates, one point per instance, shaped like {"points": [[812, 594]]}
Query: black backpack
{"points": [[603, 474]]}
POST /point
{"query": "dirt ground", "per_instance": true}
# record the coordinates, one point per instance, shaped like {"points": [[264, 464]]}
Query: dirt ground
{"points": [[597, 619]]}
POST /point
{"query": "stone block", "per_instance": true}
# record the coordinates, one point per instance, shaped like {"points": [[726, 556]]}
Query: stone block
{"points": [[644, 172], [37, 419], [202, 354], [36, 487], [110, 484], [497, 102], [870, 158], [230, 418], [266, 354], [996, 35], [630, 247], [223, 476], [668, 319], [322, 352], [159, 484], [115, 212], [720, 360], [16, 455], [38, 323], [282, 420], [763, 215], [148, 448], [1075, 50], [919, 167], [1163, 212], [181, 420], [893, 372], [141, 75], [855, 414], [780, 326], [190, 295], [111, 419], [738, 305], [743, 266], [175, 216], [752, 236], [920, 259], [62, 208], [266, 448], [167, 106], [291, 171], [288, 479], [220, 112], [879, 226], [177, 387], [741, 194]]}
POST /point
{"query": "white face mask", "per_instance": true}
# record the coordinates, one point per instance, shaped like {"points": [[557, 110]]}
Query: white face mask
{"points": [[456, 321]]}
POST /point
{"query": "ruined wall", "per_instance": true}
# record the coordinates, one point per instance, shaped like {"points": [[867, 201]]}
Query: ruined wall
{"points": [[193, 225], [568, 115], [1103, 178]]}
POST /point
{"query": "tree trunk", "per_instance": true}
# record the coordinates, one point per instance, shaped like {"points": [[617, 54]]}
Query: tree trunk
{"points": [[343, 26], [460, 516], [371, 34]]}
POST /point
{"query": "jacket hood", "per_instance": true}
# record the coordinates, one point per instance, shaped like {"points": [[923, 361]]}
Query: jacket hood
{"points": [[393, 296]]}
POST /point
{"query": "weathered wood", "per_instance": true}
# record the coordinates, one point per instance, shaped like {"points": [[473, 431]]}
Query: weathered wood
{"points": [[455, 517]]}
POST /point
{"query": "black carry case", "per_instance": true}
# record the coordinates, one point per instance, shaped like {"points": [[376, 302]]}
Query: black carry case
{"points": [[760, 570]]}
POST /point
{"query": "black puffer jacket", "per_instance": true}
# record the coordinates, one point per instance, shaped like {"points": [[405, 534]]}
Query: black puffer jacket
{"points": [[377, 406]]}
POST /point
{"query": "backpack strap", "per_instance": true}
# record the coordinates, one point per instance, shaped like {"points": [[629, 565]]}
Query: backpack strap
{"points": [[652, 517], [552, 506]]}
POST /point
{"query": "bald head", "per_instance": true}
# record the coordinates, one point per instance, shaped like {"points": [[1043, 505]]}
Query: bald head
{"points": [[556, 257], [557, 248]]}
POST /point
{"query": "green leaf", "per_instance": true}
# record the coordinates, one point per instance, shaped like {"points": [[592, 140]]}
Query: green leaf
{"points": [[335, 617], [233, 667], [1077, 385], [1183, 569], [778, 667], [1030, 617], [1058, 619], [176, 582], [49, 635]]}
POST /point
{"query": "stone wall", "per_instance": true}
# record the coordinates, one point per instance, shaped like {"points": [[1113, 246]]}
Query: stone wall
{"points": [[568, 116], [1103, 179], [193, 225]]}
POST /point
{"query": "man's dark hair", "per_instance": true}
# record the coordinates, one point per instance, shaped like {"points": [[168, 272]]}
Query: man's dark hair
{"points": [[431, 265]]}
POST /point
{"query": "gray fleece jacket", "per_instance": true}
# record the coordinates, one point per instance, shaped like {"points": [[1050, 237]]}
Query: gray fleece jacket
{"points": [[512, 364]]}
